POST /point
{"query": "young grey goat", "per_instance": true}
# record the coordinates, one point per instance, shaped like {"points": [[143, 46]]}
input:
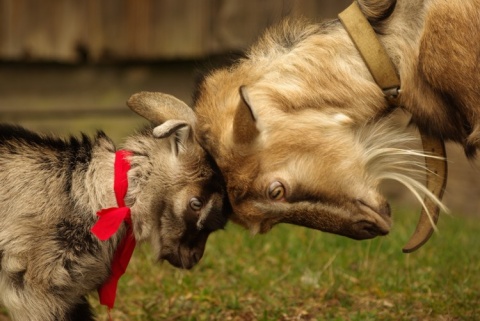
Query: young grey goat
{"points": [[51, 190]]}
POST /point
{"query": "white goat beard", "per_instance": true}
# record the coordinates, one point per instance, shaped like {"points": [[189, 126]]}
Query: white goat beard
{"points": [[392, 152]]}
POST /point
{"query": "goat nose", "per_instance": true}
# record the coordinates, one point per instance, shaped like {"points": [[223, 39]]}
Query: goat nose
{"points": [[385, 210], [196, 255]]}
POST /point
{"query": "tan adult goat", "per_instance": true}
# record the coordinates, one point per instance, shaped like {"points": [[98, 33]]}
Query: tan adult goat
{"points": [[51, 190], [300, 128]]}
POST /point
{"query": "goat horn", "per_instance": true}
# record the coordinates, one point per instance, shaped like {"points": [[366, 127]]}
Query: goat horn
{"points": [[436, 180], [159, 107]]}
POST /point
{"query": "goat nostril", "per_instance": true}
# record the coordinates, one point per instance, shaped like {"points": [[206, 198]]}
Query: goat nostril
{"points": [[196, 256], [385, 210]]}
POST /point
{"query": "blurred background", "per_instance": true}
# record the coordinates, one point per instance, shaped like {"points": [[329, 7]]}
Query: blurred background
{"points": [[68, 66]]}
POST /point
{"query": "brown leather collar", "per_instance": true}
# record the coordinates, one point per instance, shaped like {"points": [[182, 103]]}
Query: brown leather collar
{"points": [[384, 73], [370, 48]]}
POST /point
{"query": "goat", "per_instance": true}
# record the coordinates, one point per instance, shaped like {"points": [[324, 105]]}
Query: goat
{"points": [[300, 129], [52, 189]]}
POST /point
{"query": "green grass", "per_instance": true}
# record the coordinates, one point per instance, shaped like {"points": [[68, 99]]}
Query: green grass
{"points": [[295, 273]]}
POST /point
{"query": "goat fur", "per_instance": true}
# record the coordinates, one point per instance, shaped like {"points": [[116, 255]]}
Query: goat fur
{"points": [[291, 110], [51, 191]]}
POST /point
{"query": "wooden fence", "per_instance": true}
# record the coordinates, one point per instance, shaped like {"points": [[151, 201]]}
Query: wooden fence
{"points": [[116, 30]]}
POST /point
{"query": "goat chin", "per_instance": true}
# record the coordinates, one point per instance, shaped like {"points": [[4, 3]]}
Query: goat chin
{"points": [[404, 163]]}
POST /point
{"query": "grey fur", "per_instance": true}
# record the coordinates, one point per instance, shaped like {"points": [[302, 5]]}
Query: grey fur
{"points": [[51, 190]]}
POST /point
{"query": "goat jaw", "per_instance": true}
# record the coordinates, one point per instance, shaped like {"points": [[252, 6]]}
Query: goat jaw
{"points": [[436, 180], [355, 219]]}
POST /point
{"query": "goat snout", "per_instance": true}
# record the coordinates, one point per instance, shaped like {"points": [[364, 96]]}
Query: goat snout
{"points": [[376, 219], [382, 208], [190, 256], [196, 255], [368, 229], [185, 257]]}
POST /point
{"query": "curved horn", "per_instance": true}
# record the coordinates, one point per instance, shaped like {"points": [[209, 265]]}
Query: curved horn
{"points": [[436, 180], [159, 107]]}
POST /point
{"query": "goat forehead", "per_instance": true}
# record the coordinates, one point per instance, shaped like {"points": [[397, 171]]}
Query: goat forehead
{"points": [[197, 164], [204, 184]]}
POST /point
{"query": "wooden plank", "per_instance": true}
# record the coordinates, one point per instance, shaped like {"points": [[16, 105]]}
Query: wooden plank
{"points": [[116, 30]]}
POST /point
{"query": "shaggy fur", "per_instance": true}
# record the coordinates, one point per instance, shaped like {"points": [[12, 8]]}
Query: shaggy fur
{"points": [[283, 123], [50, 192]]}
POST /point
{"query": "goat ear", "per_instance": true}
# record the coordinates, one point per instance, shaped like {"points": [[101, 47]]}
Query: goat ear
{"points": [[244, 123], [159, 107], [177, 132]]}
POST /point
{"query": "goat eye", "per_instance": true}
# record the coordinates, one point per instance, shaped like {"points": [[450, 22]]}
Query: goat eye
{"points": [[196, 204], [276, 191]]}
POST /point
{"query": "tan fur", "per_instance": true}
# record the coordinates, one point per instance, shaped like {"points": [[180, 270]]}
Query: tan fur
{"points": [[311, 95]]}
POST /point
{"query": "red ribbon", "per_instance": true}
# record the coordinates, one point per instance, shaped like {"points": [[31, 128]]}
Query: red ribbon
{"points": [[108, 224]]}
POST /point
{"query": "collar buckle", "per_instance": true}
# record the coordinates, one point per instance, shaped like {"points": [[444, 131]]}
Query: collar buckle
{"points": [[392, 94]]}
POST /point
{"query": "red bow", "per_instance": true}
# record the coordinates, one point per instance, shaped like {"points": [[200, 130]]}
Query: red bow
{"points": [[108, 224]]}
